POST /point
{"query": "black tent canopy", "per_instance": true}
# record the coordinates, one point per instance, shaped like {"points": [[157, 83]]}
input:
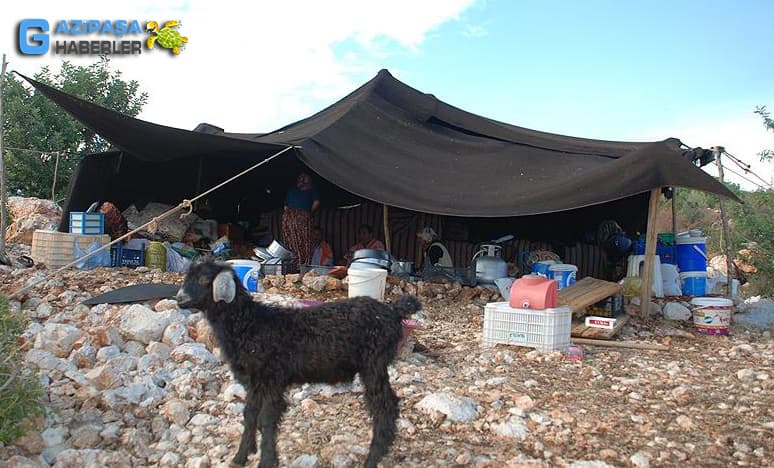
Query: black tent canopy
{"points": [[388, 143]]}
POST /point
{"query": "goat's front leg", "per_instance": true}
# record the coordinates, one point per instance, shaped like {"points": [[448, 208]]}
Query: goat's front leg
{"points": [[251, 412], [273, 407]]}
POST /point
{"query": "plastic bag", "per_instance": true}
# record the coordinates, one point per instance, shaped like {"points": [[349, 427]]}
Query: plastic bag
{"points": [[101, 259], [175, 261]]}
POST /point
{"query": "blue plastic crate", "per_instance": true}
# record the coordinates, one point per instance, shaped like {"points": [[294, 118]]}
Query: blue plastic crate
{"points": [[87, 223], [120, 256]]}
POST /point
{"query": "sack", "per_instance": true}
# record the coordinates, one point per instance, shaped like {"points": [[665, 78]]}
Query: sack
{"points": [[101, 259], [175, 261]]}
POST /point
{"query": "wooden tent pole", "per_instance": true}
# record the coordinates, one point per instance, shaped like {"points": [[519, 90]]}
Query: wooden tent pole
{"points": [[386, 222], [718, 150], [650, 254], [3, 178]]}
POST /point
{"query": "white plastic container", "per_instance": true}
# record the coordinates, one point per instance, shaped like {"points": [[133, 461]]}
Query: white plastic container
{"points": [[544, 330], [248, 272], [712, 315], [563, 273], [367, 282]]}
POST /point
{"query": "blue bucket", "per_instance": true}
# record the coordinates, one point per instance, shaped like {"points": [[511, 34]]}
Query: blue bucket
{"points": [[563, 273], [541, 268], [694, 283], [691, 253], [248, 272]]}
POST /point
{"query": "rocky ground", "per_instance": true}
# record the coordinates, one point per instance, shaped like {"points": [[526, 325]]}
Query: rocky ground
{"points": [[143, 385]]}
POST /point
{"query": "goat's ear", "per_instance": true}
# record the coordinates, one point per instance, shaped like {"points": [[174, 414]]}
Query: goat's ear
{"points": [[223, 287]]}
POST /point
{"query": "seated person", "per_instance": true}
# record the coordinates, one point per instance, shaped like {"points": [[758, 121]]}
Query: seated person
{"points": [[367, 241], [322, 253], [435, 253]]}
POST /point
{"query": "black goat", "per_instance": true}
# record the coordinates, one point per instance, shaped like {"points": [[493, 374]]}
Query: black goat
{"points": [[270, 348]]}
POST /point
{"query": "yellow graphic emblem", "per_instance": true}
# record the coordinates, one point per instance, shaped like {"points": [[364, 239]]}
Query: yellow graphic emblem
{"points": [[167, 37]]}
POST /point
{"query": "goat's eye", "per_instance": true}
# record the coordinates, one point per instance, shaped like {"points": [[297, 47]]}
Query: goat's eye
{"points": [[204, 280]]}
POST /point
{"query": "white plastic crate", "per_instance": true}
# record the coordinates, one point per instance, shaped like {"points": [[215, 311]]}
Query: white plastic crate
{"points": [[544, 330]]}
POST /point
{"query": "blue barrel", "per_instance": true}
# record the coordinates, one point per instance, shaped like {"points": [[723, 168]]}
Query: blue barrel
{"points": [[691, 254]]}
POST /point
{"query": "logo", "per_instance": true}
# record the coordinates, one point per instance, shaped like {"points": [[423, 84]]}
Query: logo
{"points": [[167, 37], [36, 43], [36, 36]]}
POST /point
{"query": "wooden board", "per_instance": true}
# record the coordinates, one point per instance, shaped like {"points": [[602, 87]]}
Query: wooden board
{"points": [[580, 330], [587, 291]]}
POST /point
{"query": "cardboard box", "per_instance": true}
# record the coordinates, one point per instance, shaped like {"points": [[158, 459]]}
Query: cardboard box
{"points": [[600, 322]]}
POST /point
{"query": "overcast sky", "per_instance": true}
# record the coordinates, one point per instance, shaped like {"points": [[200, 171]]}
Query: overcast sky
{"points": [[594, 69]]}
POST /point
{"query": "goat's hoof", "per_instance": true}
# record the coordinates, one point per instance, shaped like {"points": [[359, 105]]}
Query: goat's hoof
{"points": [[240, 459]]}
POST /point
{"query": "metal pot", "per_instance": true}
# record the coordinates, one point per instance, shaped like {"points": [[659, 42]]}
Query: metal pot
{"points": [[262, 253], [371, 253], [278, 250], [402, 267], [371, 263]]}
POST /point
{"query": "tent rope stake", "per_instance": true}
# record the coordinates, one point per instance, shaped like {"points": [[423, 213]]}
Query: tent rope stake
{"points": [[184, 205]]}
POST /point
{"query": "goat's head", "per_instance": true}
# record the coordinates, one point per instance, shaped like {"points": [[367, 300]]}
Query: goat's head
{"points": [[207, 283]]}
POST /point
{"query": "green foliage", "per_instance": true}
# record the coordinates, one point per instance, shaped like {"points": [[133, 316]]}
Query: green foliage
{"points": [[34, 122], [754, 230], [751, 225], [20, 392], [768, 122]]}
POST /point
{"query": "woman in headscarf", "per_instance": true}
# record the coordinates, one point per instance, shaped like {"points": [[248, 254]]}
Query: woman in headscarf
{"points": [[300, 202]]}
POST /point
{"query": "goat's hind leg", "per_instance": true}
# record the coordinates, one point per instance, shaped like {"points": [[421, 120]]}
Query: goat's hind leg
{"points": [[248, 445], [382, 404], [273, 407]]}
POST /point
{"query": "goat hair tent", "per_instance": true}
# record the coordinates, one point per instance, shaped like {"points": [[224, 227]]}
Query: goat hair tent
{"points": [[385, 142]]}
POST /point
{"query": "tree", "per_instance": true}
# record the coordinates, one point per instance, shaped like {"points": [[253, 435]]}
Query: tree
{"points": [[768, 122], [33, 122]]}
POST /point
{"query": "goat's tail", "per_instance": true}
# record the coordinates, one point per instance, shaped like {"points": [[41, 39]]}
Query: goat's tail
{"points": [[406, 305]]}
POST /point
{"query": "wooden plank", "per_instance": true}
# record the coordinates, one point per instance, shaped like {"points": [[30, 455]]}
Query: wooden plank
{"points": [[650, 253], [586, 292], [621, 344], [580, 330]]}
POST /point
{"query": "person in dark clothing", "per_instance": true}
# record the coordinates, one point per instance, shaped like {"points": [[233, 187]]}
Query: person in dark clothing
{"points": [[435, 253], [300, 202]]}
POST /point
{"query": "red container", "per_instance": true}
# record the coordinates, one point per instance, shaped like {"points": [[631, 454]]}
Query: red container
{"points": [[534, 292]]}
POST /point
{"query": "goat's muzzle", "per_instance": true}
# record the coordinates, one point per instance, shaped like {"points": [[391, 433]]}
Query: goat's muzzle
{"points": [[183, 299]]}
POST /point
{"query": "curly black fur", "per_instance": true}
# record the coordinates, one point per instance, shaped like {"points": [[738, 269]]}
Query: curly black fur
{"points": [[270, 348]]}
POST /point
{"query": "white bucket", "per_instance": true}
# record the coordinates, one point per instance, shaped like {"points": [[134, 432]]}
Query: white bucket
{"points": [[712, 315], [248, 272], [563, 273], [367, 282]]}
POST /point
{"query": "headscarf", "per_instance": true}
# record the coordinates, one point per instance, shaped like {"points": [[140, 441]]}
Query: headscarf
{"points": [[304, 182], [428, 234]]}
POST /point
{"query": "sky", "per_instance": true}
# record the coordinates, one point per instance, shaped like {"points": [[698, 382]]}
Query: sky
{"points": [[629, 71]]}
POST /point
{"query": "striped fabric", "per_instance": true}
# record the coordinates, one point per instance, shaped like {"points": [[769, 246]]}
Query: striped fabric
{"points": [[340, 230]]}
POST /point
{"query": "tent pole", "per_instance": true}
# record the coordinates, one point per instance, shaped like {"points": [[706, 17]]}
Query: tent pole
{"points": [[718, 150], [386, 222], [674, 224], [650, 254], [3, 179]]}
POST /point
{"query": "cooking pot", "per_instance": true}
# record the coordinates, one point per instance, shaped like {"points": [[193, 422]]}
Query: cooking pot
{"points": [[402, 267], [278, 250], [371, 253], [262, 253], [371, 263]]}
